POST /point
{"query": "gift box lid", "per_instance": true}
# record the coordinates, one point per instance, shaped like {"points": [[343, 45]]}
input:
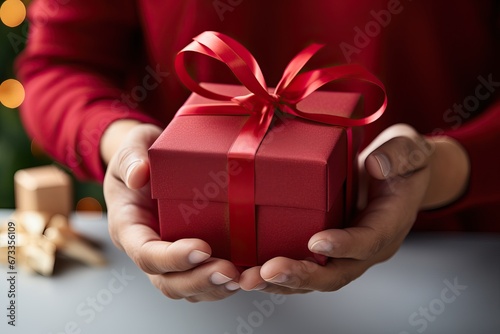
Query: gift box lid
{"points": [[299, 164]]}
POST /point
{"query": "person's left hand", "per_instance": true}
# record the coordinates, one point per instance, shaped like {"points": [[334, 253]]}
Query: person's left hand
{"points": [[405, 173]]}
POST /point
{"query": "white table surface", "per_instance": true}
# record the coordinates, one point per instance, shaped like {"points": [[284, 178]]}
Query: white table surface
{"points": [[404, 295]]}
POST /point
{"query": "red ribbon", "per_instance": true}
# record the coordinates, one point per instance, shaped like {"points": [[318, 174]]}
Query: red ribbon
{"points": [[260, 106]]}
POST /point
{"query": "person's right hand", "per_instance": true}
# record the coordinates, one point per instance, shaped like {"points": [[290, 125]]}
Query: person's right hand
{"points": [[180, 269]]}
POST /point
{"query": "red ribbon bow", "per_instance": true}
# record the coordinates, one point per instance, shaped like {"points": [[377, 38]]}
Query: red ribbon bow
{"points": [[260, 106]]}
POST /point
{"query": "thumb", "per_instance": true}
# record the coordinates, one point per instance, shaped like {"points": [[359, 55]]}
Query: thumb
{"points": [[135, 172], [132, 157], [400, 156], [397, 151]]}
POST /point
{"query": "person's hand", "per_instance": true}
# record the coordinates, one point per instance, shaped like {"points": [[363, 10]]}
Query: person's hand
{"points": [[180, 269], [405, 173]]}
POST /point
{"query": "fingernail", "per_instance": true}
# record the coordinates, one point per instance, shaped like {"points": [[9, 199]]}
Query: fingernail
{"points": [[322, 247], [260, 286], [130, 169], [279, 278], [384, 163], [218, 278], [197, 256], [232, 286]]}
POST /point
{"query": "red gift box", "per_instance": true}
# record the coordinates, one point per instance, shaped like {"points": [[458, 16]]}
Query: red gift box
{"points": [[256, 175], [300, 171]]}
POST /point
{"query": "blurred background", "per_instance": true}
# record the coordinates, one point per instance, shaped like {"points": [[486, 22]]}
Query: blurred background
{"points": [[17, 150]]}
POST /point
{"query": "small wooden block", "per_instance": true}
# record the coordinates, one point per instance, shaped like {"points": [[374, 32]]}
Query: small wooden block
{"points": [[74, 247], [21, 239], [33, 222], [40, 256], [45, 189]]}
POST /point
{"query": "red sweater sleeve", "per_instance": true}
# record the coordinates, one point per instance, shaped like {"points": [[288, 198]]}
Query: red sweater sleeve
{"points": [[73, 72], [481, 139]]}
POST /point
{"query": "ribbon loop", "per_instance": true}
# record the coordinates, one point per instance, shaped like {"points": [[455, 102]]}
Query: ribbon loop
{"points": [[295, 65]]}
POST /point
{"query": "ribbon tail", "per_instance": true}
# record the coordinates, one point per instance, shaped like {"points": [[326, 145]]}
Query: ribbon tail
{"points": [[241, 189], [349, 191]]}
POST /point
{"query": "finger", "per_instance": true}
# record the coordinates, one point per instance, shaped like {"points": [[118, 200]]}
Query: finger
{"points": [[376, 228], [388, 218], [214, 279], [292, 275], [136, 173], [132, 158], [359, 242], [399, 156], [150, 254], [250, 279], [396, 130], [297, 275], [379, 166]]}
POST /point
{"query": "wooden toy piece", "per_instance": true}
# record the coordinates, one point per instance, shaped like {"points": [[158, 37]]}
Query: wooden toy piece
{"points": [[21, 239], [4, 226], [31, 222], [45, 189], [40, 256], [73, 246], [39, 236], [60, 222], [3, 247]]}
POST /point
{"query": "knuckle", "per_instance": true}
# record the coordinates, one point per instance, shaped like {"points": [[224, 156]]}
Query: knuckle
{"points": [[141, 259], [374, 248], [124, 158], [303, 283], [197, 286], [140, 262], [169, 292], [221, 293], [377, 244], [336, 284], [297, 281], [303, 277], [376, 240], [411, 154], [123, 155]]}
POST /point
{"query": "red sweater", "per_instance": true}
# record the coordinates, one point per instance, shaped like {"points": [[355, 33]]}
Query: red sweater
{"points": [[90, 62]]}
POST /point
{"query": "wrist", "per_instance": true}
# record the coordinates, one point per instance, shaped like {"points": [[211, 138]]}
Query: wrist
{"points": [[449, 172], [113, 137]]}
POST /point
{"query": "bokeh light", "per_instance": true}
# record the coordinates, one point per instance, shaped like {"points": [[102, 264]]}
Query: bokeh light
{"points": [[88, 205], [11, 93], [12, 13]]}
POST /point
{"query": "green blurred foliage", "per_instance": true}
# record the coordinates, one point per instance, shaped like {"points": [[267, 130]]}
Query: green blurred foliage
{"points": [[15, 146]]}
